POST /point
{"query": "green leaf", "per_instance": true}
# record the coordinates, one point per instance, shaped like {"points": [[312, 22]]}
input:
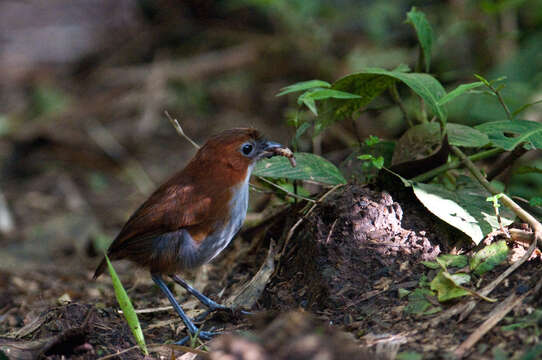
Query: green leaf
{"points": [[301, 130], [489, 257], [460, 90], [370, 83], [450, 260], [409, 355], [372, 140], [127, 308], [424, 32], [489, 83], [310, 167], [494, 199], [447, 260], [525, 107], [499, 133], [431, 264], [447, 285], [466, 136], [401, 293], [321, 94], [417, 301], [309, 97], [309, 102], [304, 85], [377, 162], [465, 208]]}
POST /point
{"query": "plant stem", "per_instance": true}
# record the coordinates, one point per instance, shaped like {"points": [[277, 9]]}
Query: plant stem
{"points": [[506, 109], [501, 100], [395, 96], [505, 163], [456, 163], [522, 214]]}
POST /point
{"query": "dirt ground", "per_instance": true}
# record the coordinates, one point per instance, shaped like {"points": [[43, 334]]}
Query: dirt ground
{"points": [[330, 289]]}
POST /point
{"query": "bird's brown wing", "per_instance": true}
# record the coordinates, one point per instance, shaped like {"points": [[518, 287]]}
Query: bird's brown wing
{"points": [[175, 205]]}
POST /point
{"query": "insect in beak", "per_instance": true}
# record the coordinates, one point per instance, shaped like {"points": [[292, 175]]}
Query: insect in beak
{"points": [[269, 149]]}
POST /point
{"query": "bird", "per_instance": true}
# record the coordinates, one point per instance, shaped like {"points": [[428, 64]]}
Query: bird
{"points": [[194, 215]]}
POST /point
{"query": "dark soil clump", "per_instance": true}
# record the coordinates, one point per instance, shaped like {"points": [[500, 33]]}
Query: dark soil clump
{"points": [[355, 239]]}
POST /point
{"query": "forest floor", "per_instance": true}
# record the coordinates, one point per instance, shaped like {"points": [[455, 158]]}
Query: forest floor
{"points": [[339, 273]]}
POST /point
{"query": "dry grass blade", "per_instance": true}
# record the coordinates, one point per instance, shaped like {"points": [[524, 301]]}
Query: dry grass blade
{"points": [[110, 356], [203, 354], [180, 130]]}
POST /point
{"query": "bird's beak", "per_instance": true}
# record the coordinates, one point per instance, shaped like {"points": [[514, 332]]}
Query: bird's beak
{"points": [[268, 148]]}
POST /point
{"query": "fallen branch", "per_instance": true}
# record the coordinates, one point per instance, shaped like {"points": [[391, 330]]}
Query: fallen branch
{"points": [[493, 319], [195, 67]]}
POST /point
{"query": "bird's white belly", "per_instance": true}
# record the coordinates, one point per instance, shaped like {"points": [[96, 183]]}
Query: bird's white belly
{"points": [[214, 243]]}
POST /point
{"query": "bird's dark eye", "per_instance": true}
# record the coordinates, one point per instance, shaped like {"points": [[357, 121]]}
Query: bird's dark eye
{"points": [[247, 149]]}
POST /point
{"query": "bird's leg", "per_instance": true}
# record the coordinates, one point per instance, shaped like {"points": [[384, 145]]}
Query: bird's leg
{"points": [[202, 298], [210, 304], [192, 329]]}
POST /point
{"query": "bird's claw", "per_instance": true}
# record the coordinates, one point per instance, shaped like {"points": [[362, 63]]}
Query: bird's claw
{"points": [[203, 335]]}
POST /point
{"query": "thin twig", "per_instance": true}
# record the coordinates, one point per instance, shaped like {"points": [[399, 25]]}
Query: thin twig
{"points": [[289, 193], [180, 130], [151, 310], [493, 319], [331, 230], [456, 164], [188, 349], [506, 109], [300, 220], [501, 100], [118, 353]]}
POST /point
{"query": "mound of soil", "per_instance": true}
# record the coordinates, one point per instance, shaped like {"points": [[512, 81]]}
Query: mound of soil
{"points": [[354, 242]]}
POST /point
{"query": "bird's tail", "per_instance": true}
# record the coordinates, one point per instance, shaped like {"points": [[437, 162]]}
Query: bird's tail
{"points": [[100, 269]]}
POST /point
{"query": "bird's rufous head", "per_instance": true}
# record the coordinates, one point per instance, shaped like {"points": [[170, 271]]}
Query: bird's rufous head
{"points": [[236, 149]]}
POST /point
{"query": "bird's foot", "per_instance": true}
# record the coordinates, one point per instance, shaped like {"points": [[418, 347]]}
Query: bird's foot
{"points": [[203, 335]]}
